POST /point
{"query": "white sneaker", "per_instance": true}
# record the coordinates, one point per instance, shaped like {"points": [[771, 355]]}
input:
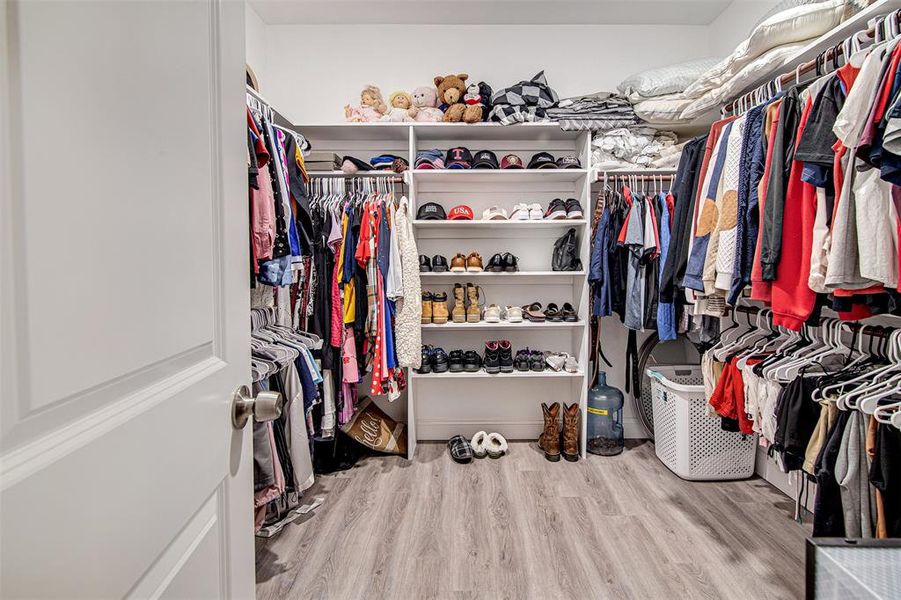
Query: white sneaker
{"points": [[514, 314], [536, 213], [496, 445], [493, 314], [479, 444], [571, 365], [556, 360], [520, 213]]}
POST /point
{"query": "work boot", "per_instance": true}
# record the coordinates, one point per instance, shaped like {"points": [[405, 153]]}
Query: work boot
{"points": [[459, 311], [439, 308], [426, 307], [473, 311], [571, 426], [549, 441]]}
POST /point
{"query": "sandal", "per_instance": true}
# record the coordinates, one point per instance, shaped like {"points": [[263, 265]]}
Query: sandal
{"points": [[532, 312], [568, 313], [552, 313]]}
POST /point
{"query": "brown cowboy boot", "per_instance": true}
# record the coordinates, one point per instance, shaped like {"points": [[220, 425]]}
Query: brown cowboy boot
{"points": [[550, 437], [571, 426]]}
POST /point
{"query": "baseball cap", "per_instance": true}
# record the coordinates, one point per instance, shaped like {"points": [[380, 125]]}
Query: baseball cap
{"points": [[569, 161], [431, 211], [511, 161], [461, 212], [485, 159], [542, 160], [351, 165], [458, 158], [429, 159]]}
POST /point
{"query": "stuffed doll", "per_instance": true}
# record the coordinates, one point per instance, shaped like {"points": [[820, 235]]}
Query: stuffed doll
{"points": [[399, 105], [473, 102], [450, 94], [425, 103], [371, 107]]}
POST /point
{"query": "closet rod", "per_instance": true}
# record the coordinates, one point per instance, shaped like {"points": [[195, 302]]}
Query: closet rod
{"points": [[389, 177], [806, 67], [879, 331]]}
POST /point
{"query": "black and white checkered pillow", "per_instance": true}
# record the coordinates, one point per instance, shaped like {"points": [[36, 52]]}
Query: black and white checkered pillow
{"points": [[535, 92]]}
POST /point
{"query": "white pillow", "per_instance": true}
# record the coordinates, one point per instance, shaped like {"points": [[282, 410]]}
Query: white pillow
{"points": [[664, 80], [792, 25], [769, 61], [662, 109]]}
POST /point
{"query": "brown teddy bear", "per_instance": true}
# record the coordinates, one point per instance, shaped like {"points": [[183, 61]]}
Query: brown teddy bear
{"points": [[450, 93]]}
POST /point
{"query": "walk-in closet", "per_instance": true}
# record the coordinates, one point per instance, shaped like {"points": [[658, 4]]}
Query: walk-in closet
{"points": [[498, 299]]}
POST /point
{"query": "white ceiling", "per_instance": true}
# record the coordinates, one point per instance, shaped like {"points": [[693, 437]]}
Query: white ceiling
{"points": [[490, 12]]}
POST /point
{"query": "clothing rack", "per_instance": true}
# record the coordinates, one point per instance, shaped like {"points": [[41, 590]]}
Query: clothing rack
{"points": [[256, 101], [878, 331], [882, 29]]}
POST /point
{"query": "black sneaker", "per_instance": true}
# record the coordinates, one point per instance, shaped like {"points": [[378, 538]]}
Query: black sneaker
{"points": [[455, 361], [492, 358], [425, 367], [536, 361], [496, 264], [440, 362], [439, 264], [425, 265], [472, 362], [505, 356], [511, 263], [574, 209], [555, 210], [522, 361]]}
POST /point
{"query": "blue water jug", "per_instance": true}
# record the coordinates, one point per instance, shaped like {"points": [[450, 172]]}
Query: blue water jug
{"points": [[605, 418]]}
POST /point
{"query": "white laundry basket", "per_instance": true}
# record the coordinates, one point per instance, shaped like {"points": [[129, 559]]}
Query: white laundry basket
{"points": [[688, 441]]}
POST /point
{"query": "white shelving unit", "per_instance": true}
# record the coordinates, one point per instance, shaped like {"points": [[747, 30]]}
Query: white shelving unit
{"points": [[441, 405]]}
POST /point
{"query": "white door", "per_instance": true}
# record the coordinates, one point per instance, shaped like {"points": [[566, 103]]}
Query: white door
{"points": [[125, 310]]}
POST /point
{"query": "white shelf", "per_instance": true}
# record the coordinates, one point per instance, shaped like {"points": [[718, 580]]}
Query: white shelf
{"points": [[498, 175], [482, 325], [518, 277], [546, 131], [483, 375]]}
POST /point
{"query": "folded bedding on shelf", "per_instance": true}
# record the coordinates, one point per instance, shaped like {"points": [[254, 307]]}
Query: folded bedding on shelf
{"points": [[600, 111], [671, 79], [663, 110], [631, 147]]}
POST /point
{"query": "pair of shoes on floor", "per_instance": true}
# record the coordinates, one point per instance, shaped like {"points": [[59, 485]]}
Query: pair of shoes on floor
{"points": [[467, 303], [529, 360], [561, 361], [436, 264], [496, 314], [434, 308], [483, 444], [503, 263], [556, 441], [559, 209], [461, 263]]}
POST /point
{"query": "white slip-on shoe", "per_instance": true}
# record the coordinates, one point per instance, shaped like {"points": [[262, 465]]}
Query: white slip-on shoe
{"points": [[520, 213], [479, 444], [494, 213], [496, 445], [536, 213], [514, 314]]}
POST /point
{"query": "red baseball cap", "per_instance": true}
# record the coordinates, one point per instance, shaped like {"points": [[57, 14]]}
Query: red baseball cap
{"points": [[511, 161], [460, 213]]}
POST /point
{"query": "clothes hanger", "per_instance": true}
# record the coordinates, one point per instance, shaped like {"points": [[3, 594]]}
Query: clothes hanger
{"points": [[870, 380]]}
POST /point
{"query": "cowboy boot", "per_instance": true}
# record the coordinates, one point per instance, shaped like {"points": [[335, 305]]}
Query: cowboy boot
{"points": [[459, 311], [571, 429], [549, 441]]}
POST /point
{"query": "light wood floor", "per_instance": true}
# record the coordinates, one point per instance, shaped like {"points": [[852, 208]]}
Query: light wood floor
{"points": [[522, 527]]}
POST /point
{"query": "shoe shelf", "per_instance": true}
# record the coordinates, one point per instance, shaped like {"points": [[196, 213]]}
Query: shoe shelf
{"points": [[515, 278], [495, 229], [449, 326], [498, 376], [506, 176]]}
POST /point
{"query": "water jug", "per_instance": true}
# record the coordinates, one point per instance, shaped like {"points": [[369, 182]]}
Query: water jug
{"points": [[605, 418]]}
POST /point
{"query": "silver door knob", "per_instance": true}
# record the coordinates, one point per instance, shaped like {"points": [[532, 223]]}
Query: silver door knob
{"points": [[267, 406]]}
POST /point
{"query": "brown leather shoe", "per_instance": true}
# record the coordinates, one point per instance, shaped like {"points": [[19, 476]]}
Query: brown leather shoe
{"points": [[572, 417], [458, 263], [474, 263], [549, 441], [458, 313]]}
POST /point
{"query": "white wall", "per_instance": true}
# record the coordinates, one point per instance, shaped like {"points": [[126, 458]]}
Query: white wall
{"points": [[313, 71], [255, 45], [735, 23]]}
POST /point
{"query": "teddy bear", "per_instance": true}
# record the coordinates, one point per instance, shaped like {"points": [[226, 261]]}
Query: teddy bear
{"points": [[425, 103], [400, 103], [473, 99], [450, 93], [371, 107]]}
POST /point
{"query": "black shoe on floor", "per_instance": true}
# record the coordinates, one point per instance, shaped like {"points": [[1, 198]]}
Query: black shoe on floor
{"points": [[455, 361], [492, 358], [505, 356], [440, 361], [439, 264], [472, 362], [425, 265]]}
